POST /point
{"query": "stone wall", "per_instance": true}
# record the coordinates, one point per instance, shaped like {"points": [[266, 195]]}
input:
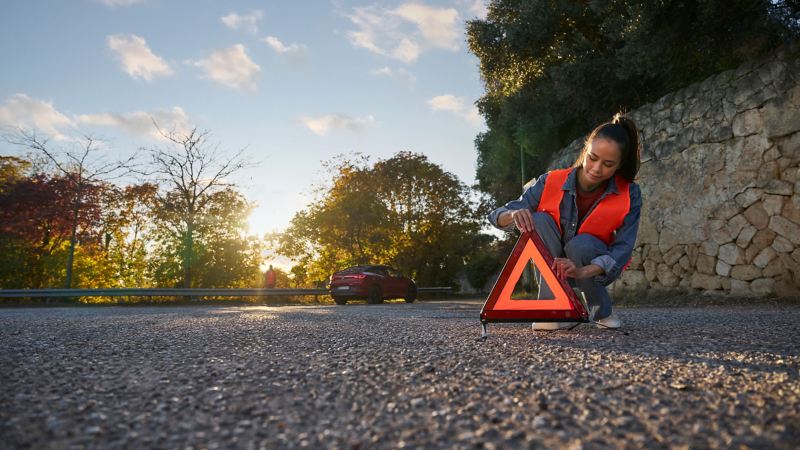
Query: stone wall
{"points": [[720, 183]]}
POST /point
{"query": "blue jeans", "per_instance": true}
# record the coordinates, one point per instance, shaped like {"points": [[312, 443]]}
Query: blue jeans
{"points": [[581, 249]]}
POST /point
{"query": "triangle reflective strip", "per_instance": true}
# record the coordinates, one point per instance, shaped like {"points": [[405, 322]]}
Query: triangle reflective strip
{"points": [[500, 307]]}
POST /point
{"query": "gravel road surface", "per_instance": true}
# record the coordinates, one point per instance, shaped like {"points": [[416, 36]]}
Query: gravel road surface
{"points": [[395, 376]]}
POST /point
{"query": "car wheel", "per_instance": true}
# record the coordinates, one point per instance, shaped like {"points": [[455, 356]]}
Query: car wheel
{"points": [[411, 294], [340, 300], [375, 295]]}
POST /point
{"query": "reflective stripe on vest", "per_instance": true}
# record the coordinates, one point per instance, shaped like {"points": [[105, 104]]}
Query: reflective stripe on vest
{"points": [[606, 216]]}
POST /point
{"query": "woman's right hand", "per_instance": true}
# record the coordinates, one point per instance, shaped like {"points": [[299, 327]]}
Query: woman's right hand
{"points": [[523, 219]]}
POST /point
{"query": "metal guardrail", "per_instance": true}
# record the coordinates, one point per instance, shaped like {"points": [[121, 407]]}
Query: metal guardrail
{"points": [[167, 292]]}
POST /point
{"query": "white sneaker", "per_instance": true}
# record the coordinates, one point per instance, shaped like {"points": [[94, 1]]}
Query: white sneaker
{"points": [[549, 326], [609, 322]]}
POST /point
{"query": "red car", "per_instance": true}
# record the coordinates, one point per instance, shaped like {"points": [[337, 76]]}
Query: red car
{"points": [[373, 283]]}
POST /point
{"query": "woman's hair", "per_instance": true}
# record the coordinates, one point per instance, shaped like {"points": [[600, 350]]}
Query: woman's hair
{"points": [[622, 131]]}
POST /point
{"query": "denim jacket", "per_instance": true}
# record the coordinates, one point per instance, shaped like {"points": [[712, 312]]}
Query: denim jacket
{"points": [[621, 248]]}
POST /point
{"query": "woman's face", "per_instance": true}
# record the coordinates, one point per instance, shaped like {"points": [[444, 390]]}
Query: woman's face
{"points": [[601, 161]]}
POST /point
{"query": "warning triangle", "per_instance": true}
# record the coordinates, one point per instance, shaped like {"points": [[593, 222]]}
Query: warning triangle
{"points": [[501, 306]]}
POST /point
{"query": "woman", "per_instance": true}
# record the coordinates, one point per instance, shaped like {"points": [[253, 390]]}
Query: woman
{"points": [[587, 215]]}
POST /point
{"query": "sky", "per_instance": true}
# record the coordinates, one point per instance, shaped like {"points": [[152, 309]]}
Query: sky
{"points": [[293, 83]]}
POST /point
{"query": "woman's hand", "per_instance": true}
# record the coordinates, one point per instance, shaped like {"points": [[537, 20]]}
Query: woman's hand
{"points": [[523, 219], [564, 267]]}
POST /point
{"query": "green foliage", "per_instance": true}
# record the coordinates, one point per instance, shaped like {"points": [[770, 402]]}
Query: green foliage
{"points": [[222, 253], [404, 211], [553, 70]]}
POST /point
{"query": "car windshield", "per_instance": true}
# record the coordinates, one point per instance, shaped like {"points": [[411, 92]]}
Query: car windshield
{"points": [[354, 269]]}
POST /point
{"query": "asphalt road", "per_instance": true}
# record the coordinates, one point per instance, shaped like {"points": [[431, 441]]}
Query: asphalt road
{"points": [[395, 376]]}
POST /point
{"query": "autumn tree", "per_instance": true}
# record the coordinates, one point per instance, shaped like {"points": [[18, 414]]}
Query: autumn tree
{"points": [[404, 211], [197, 209], [125, 229], [38, 229], [81, 173]]}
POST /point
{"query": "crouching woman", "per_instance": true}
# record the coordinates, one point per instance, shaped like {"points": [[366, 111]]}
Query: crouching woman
{"points": [[587, 216]]}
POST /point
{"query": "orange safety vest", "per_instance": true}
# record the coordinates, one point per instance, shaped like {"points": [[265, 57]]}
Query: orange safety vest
{"points": [[606, 216]]}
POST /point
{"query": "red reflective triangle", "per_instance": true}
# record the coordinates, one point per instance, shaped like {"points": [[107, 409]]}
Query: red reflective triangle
{"points": [[500, 307]]}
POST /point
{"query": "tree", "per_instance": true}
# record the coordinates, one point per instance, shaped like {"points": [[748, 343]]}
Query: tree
{"points": [[193, 177], [83, 172], [125, 226], [404, 211], [38, 229], [553, 70]]}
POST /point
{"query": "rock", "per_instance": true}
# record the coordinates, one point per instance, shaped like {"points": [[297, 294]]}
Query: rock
{"points": [[744, 157], [692, 251], [705, 264], [772, 154], [791, 209], [780, 187], [666, 277], [710, 248], [748, 197], [726, 211], [655, 255], [723, 269], [743, 240], [673, 255], [668, 239], [745, 272], [650, 270], [789, 147], [763, 286], [781, 115], [750, 253], [773, 204], [782, 245], [769, 171], [706, 282], [747, 122], [635, 279], [731, 254], [774, 268], [796, 256], [785, 228], [721, 236], [684, 263], [763, 238], [739, 287], [757, 216], [647, 230], [764, 257], [736, 223]]}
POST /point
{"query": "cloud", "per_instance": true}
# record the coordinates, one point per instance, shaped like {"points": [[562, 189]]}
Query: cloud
{"points": [[115, 3], [140, 123], [22, 111], [475, 8], [280, 47], [457, 106], [322, 125], [400, 73], [405, 32], [439, 26], [136, 58], [231, 67], [247, 22]]}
